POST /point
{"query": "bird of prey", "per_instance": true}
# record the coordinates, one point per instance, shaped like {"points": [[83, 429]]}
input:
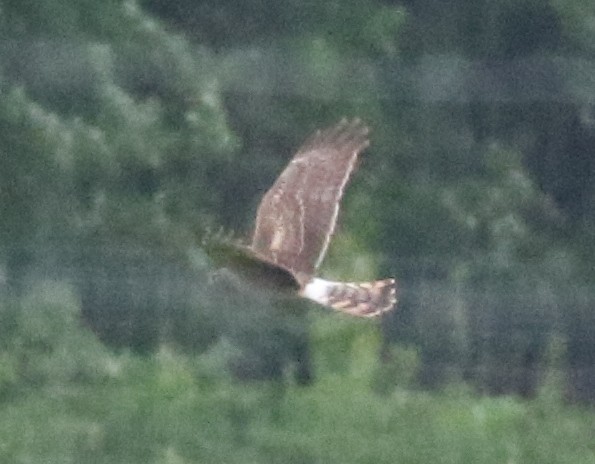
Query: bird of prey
{"points": [[295, 223]]}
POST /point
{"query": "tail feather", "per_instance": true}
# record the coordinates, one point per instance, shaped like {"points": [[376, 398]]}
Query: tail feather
{"points": [[362, 299]]}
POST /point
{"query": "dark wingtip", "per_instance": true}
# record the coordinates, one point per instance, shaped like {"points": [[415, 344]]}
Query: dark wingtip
{"points": [[347, 134]]}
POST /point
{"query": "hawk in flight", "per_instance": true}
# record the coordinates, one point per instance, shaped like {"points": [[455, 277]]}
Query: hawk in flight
{"points": [[295, 223]]}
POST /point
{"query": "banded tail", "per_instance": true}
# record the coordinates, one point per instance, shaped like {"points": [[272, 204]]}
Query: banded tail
{"points": [[363, 299]]}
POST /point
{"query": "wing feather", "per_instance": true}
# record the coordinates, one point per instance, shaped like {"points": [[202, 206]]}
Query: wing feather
{"points": [[297, 216]]}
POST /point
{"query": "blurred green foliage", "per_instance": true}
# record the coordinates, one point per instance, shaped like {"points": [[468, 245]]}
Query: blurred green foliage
{"points": [[77, 402], [129, 130]]}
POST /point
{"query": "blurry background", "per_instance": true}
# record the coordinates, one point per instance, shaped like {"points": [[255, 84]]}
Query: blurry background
{"points": [[129, 128]]}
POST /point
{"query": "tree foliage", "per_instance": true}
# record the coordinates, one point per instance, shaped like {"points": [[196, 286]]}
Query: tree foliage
{"points": [[129, 129]]}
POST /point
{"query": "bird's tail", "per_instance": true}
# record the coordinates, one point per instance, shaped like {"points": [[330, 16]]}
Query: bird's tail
{"points": [[363, 299]]}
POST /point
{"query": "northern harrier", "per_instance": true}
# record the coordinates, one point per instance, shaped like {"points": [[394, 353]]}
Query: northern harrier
{"points": [[295, 222]]}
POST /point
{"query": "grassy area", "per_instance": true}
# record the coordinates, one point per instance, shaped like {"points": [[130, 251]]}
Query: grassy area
{"points": [[169, 409]]}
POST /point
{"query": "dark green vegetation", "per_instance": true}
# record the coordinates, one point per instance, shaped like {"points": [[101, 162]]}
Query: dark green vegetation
{"points": [[129, 129], [65, 398]]}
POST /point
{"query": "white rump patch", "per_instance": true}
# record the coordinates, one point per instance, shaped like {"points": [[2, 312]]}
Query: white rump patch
{"points": [[317, 290]]}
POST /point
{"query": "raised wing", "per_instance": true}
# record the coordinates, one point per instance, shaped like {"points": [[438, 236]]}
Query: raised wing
{"points": [[297, 216]]}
